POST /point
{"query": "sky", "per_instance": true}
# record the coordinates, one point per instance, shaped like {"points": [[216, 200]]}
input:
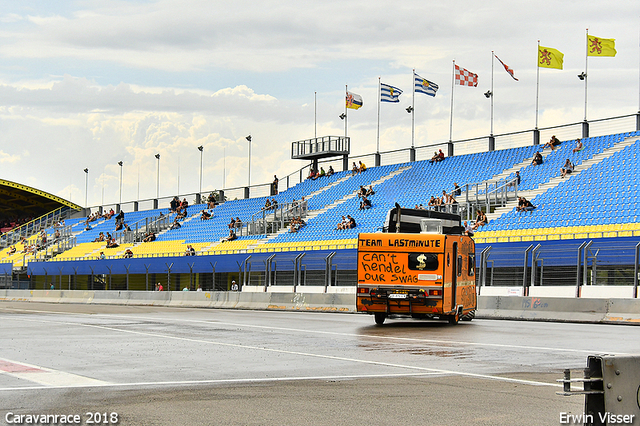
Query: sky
{"points": [[86, 84]]}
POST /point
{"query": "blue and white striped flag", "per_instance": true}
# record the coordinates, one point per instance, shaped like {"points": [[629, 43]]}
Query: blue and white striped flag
{"points": [[425, 86], [389, 93]]}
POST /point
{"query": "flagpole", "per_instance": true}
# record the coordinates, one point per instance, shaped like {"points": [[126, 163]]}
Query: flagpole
{"points": [[413, 110], [537, 81], [315, 115], [346, 93], [453, 78], [491, 96], [586, 63], [378, 132]]}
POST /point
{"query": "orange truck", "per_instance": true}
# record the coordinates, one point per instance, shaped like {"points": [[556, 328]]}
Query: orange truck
{"points": [[421, 266]]}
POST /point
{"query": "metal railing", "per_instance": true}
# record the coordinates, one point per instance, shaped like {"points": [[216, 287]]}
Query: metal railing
{"points": [[270, 220], [598, 127], [582, 264], [34, 226]]}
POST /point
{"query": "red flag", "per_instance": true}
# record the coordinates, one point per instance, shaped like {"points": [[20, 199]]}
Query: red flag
{"points": [[466, 78], [506, 68]]}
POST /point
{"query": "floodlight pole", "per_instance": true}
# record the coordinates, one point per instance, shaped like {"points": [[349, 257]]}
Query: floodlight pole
{"points": [[201, 149], [158, 177], [86, 185], [120, 164], [248, 138]]}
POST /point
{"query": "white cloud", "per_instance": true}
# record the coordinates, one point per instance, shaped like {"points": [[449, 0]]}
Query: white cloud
{"points": [[94, 83], [7, 158]]}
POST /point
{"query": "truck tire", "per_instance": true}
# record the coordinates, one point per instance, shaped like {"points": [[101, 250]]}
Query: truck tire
{"points": [[453, 319], [380, 317]]}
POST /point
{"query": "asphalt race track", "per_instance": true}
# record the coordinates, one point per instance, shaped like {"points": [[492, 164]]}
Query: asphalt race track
{"points": [[172, 366]]}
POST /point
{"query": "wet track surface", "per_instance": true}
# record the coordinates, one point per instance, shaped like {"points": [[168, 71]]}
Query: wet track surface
{"points": [[162, 366]]}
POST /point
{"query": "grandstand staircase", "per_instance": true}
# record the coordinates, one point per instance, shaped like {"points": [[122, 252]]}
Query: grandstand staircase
{"points": [[555, 181], [283, 230], [318, 212]]}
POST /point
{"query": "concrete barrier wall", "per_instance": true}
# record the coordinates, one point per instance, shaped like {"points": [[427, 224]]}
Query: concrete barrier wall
{"points": [[591, 310], [623, 311], [329, 302]]}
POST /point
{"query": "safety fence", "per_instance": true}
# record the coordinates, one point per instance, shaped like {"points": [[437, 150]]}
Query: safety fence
{"points": [[575, 264]]}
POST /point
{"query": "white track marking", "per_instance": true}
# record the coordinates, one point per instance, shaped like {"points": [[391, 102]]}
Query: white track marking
{"points": [[44, 376], [298, 353], [223, 381], [333, 333]]}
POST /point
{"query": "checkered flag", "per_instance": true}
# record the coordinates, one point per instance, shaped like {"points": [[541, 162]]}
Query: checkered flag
{"points": [[466, 78]]}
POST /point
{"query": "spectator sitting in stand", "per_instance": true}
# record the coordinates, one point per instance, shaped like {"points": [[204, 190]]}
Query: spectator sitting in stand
{"points": [[149, 237], [322, 172], [341, 225], [238, 223], [99, 238], [190, 251], [553, 143], [119, 226], [537, 159], [362, 167], [296, 224], [467, 229], [516, 180], [528, 207], [128, 254], [567, 168], [579, 147], [267, 204], [481, 220], [354, 169], [205, 215], [232, 236], [182, 213], [175, 224], [457, 191], [365, 204], [370, 191], [112, 243], [274, 204], [352, 222], [184, 204], [362, 191], [120, 216], [330, 172]]}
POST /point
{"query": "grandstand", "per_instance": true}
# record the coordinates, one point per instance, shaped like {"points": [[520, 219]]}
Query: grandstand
{"points": [[585, 228]]}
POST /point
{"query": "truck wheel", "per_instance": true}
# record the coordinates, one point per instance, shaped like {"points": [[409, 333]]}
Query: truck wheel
{"points": [[380, 317], [468, 317], [453, 319]]}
